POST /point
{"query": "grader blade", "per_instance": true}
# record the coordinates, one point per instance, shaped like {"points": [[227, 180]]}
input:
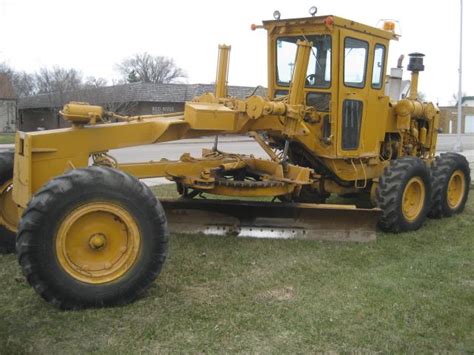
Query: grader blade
{"points": [[272, 220]]}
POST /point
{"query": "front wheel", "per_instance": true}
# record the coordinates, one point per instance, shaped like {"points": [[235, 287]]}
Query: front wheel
{"points": [[92, 237], [404, 194]]}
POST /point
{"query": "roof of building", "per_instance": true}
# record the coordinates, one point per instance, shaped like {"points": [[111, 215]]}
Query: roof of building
{"points": [[135, 92], [6, 88], [463, 100]]}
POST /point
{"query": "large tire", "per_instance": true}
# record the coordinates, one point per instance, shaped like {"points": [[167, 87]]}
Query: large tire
{"points": [[92, 237], [404, 195], [8, 226], [451, 178]]}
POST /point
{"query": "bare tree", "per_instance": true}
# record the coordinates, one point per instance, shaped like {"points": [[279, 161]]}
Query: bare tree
{"points": [[23, 83], [146, 68], [55, 80], [92, 82], [58, 80]]}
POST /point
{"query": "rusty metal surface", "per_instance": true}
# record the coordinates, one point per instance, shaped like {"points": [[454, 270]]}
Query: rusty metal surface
{"points": [[271, 220]]}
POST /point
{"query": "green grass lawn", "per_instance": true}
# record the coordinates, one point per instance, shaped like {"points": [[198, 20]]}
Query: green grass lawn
{"points": [[403, 293], [7, 138]]}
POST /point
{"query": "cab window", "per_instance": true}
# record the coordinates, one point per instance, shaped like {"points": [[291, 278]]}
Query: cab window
{"points": [[355, 62], [319, 66], [378, 69]]}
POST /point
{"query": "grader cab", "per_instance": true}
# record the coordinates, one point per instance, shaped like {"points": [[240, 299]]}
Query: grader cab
{"points": [[89, 233]]}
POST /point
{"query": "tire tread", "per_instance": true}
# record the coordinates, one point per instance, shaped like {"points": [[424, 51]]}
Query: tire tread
{"points": [[388, 192]]}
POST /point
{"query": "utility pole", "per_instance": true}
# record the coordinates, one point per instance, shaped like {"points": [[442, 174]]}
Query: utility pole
{"points": [[458, 145]]}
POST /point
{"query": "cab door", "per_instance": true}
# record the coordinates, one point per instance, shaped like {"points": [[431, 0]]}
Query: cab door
{"points": [[354, 49]]}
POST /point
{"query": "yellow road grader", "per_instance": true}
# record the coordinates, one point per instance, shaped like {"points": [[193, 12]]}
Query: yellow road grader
{"points": [[89, 233]]}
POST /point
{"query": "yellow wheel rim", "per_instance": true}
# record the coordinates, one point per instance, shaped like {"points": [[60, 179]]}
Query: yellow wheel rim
{"points": [[98, 242], [456, 189], [413, 198], [8, 209]]}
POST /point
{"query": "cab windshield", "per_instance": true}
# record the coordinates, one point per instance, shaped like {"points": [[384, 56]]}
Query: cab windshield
{"points": [[319, 67]]}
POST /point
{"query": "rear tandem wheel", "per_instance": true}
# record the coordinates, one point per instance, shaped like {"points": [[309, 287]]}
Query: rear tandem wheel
{"points": [[92, 237], [451, 177], [404, 195]]}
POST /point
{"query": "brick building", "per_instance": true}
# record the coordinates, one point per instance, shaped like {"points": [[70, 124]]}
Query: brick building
{"points": [[449, 117]]}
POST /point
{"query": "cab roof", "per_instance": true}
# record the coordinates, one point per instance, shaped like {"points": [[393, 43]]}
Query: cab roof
{"points": [[340, 22]]}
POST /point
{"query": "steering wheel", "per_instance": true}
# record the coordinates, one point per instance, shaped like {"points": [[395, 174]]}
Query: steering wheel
{"points": [[310, 80]]}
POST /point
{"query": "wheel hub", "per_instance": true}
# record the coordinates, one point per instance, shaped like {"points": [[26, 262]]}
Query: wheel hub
{"points": [[98, 242], [456, 188], [413, 198]]}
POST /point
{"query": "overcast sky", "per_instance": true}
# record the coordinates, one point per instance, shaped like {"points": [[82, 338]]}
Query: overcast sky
{"points": [[94, 35]]}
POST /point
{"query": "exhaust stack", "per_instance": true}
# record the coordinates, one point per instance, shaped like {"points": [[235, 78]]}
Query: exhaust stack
{"points": [[415, 65]]}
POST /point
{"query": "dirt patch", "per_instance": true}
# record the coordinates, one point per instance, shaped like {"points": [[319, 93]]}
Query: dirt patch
{"points": [[278, 294], [199, 293], [469, 283]]}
